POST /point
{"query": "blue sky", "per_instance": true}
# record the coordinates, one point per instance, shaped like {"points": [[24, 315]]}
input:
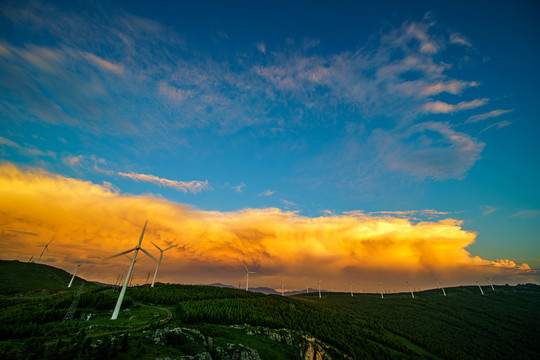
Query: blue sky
{"points": [[312, 107]]}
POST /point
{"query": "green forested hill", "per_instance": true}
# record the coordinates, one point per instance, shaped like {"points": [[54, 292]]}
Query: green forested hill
{"points": [[21, 278], [179, 321]]}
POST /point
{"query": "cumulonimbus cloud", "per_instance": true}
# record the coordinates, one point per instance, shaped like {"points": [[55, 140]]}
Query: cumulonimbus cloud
{"points": [[90, 222]]}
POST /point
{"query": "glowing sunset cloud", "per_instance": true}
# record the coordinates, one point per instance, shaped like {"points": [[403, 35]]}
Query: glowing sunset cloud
{"points": [[93, 221]]}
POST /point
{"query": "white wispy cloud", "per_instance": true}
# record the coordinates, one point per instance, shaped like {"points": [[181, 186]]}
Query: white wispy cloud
{"points": [[440, 107], [172, 93], [292, 87], [261, 47], [452, 87], [427, 213], [104, 64], [239, 188], [7, 142], [487, 209], [526, 214], [498, 125], [184, 186], [73, 161], [32, 151], [490, 114], [440, 152], [267, 192], [287, 203], [457, 38]]}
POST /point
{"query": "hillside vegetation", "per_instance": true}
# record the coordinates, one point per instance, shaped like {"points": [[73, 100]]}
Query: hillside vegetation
{"points": [[204, 322]]}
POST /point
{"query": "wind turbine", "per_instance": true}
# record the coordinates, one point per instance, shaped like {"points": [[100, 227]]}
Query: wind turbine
{"points": [[128, 277], [381, 290], [490, 284], [247, 277], [74, 273], [409, 285], [159, 261], [45, 248], [350, 288], [319, 283], [439, 285], [482, 291]]}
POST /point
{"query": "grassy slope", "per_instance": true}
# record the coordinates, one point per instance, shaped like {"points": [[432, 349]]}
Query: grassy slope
{"points": [[20, 278]]}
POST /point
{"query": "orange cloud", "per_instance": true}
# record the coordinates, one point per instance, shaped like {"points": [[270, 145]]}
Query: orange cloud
{"points": [[90, 222]]}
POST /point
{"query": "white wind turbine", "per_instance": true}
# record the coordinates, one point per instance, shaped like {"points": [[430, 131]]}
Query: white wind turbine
{"points": [[381, 290], [247, 277], [482, 291], [74, 273], [490, 284], [440, 286], [42, 251], [350, 288], [307, 286], [159, 261], [411, 290], [319, 283], [128, 276]]}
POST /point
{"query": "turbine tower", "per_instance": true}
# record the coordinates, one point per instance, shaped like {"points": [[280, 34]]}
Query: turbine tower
{"points": [[482, 291], [381, 290], [247, 277], [74, 273], [409, 285], [440, 286], [350, 288], [490, 284], [128, 276], [42, 251], [159, 261], [319, 283]]}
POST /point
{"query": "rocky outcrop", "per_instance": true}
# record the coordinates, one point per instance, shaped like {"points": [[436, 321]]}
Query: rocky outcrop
{"points": [[227, 352], [309, 347]]}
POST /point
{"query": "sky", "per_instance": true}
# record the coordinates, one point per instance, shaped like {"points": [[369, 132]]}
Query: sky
{"points": [[348, 141]]}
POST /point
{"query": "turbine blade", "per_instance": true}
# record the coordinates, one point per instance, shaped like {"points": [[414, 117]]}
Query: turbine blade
{"points": [[142, 234], [170, 247], [157, 246], [120, 254], [51, 241], [147, 253]]}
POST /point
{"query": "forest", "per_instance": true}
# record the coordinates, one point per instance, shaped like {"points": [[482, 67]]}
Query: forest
{"points": [[167, 320]]}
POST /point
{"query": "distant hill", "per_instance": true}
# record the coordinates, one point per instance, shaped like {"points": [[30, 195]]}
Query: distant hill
{"points": [[22, 278], [266, 290]]}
